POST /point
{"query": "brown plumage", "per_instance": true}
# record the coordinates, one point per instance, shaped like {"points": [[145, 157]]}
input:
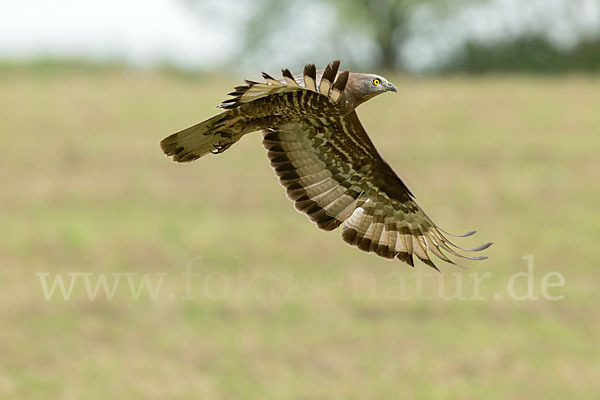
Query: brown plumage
{"points": [[325, 160]]}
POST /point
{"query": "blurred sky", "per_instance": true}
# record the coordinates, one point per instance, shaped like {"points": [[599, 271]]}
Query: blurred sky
{"points": [[147, 32], [139, 31]]}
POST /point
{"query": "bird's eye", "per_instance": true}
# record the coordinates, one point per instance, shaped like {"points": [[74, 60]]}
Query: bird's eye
{"points": [[376, 82]]}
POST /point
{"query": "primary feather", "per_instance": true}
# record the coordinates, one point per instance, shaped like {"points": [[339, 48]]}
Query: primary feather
{"points": [[324, 158]]}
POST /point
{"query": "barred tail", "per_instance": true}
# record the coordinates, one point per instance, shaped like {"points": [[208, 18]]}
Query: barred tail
{"points": [[215, 135]]}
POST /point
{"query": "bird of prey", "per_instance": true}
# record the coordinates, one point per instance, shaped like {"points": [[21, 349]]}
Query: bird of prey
{"points": [[325, 160]]}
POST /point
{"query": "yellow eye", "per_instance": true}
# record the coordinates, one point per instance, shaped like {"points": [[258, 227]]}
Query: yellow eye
{"points": [[375, 81]]}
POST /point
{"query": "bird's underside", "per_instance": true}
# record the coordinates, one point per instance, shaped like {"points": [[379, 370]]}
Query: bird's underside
{"points": [[324, 158]]}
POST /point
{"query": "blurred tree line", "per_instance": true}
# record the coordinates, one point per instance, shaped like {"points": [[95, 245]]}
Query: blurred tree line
{"points": [[528, 53], [378, 32]]}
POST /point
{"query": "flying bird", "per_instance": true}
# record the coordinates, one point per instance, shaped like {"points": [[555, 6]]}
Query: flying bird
{"points": [[325, 160]]}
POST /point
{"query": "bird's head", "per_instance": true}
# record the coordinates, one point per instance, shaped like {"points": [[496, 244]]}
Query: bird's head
{"points": [[366, 86]]}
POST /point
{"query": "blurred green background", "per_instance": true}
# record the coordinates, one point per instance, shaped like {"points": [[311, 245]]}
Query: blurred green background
{"points": [[278, 309]]}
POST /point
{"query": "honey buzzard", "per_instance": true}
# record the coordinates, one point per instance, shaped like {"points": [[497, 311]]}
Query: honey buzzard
{"points": [[324, 158]]}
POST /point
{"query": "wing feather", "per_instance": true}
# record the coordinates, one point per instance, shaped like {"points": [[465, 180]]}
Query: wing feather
{"points": [[306, 82], [333, 173], [310, 77]]}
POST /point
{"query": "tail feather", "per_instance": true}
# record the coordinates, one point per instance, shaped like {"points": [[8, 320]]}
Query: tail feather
{"points": [[211, 136]]}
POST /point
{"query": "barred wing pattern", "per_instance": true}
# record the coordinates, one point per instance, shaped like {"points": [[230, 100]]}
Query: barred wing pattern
{"points": [[333, 173], [327, 84]]}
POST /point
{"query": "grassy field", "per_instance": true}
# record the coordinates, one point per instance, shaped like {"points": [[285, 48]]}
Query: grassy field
{"points": [[278, 309]]}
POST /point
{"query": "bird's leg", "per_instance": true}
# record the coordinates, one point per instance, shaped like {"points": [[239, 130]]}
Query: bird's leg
{"points": [[228, 139]]}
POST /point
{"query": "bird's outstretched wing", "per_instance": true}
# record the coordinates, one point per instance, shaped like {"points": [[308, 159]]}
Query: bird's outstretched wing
{"points": [[327, 83], [333, 173]]}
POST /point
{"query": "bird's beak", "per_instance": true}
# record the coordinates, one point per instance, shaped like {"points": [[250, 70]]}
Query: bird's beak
{"points": [[392, 87]]}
